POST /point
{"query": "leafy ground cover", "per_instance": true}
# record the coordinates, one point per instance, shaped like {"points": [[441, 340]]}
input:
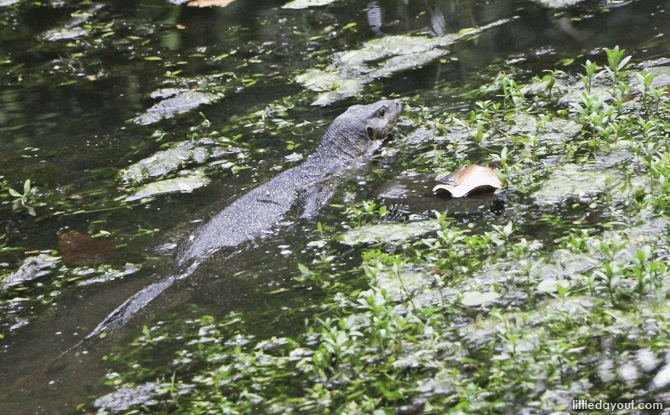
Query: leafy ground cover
{"points": [[559, 297]]}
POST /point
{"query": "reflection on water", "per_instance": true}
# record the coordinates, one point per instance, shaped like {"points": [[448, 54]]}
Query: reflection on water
{"points": [[74, 75]]}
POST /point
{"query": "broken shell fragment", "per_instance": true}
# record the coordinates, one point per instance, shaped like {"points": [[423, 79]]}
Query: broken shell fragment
{"points": [[471, 179]]}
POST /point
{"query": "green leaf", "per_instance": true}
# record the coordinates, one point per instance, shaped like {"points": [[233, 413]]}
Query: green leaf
{"points": [[562, 291], [503, 155], [236, 169], [624, 62], [508, 228], [303, 269], [13, 192], [640, 255], [389, 394]]}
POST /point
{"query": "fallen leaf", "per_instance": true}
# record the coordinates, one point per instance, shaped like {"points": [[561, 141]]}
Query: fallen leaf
{"points": [[209, 3], [74, 246], [471, 179]]}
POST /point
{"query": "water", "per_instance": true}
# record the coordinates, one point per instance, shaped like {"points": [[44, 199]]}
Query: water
{"points": [[73, 83]]}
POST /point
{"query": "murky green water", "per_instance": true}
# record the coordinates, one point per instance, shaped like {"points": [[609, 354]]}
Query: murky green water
{"points": [[86, 89]]}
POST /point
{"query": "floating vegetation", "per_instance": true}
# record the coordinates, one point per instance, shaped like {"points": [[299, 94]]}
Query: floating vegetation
{"points": [[189, 181], [31, 269], [351, 70], [180, 103], [582, 183], [388, 232], [25, 200], [173, 159], [476, 298]]}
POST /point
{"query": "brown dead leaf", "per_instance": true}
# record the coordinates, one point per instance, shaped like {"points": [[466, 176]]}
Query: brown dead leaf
{"points": [[210, 3], [470, 179], [436, 271], [74, 246]]}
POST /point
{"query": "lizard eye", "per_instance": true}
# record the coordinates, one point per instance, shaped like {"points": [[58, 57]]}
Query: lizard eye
{"points": [[382, 112]]}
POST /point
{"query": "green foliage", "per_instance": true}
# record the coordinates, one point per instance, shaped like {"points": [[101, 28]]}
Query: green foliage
{"points": [[591, 68], [615, 69], [567, 296], [512, 94], [365, 213], [509, 170], [25, 201]]}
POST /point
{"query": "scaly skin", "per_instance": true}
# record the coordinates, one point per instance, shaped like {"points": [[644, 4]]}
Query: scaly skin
{"points": [[347, 138]]}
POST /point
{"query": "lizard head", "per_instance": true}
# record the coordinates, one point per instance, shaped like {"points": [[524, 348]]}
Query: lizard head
{"points": [[379, 118], [350, 134]]}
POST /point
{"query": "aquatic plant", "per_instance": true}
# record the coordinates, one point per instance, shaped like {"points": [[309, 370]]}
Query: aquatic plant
{"points": [[25, 201]]}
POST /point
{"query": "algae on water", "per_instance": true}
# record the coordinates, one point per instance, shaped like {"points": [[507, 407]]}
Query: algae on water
{"points": [[168, 161], [31, 269], [394, 232], [571, 180], [350, 71], [180, 103], [184, 184]]}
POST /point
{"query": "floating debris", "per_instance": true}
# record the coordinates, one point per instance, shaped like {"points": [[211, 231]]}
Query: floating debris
{"points": [[173, 159], [110, 274], [125, 397], [74, 246], [468, 180], [184, 184], [303, 4], [389, 233], [180, 103], [351, 70], [65, 33], [583, 184], [32, 268], [209, 3], [557, 4]]}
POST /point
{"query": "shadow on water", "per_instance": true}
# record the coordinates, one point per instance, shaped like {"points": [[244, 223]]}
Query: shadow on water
{"points": [[71, 138]]}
